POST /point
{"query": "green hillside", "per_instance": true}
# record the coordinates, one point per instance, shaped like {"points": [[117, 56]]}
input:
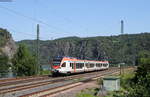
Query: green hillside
{"points": [[116, 49]]}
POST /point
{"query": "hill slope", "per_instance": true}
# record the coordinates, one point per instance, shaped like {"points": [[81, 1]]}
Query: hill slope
{"points": [[116, 49]]}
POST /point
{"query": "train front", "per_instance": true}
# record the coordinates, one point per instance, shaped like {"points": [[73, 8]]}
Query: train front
{"points": [[56, 65]]}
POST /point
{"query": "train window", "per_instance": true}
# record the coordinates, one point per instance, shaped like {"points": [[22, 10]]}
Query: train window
{"points": [[105, 65], [82, 65], [64, 64], [79, 65], [98, 65], [87, 65], [91, 65], [71, 65]]}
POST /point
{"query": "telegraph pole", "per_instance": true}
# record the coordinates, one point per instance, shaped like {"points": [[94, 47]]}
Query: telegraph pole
{"points": [[38, 32]]}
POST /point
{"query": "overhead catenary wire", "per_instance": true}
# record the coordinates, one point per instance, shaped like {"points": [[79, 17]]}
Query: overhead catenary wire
{"points": [[33, 19], [12, 28], [43, 22], [24, 33], [68, 20]]}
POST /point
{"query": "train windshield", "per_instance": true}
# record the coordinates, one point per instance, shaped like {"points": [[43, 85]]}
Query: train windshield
{"points": [[55, 64], [57, 61]]}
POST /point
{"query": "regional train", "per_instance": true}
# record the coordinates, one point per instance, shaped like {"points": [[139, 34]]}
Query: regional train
{"points": [[69, 65]]}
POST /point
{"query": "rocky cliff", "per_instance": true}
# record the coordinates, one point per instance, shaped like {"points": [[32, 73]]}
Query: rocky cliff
{"points": [[7, 44]]}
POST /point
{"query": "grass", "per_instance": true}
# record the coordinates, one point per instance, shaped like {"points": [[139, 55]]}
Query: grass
{"points": [[88, 92], [77, 80], [85, 95], [45, 72]]}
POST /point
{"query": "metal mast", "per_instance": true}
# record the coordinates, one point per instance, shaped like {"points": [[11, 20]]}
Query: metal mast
{"points": [[38, 31]]}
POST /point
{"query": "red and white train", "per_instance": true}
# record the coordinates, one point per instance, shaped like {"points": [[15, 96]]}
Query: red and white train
{"points": [[68, 65]]}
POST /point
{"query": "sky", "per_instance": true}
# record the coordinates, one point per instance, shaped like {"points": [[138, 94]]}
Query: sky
{"points": [[82, 18]]}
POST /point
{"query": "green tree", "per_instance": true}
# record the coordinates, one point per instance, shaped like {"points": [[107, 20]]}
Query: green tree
{"points": [[4, 66], [141, 81], [24, 64]]}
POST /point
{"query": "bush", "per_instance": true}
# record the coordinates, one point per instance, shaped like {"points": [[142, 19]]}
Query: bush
{"points": [[4, 66]]}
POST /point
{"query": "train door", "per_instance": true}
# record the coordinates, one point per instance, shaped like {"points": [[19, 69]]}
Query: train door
{"points": [[63, 67], [84, 66], [95, 68], [74, 66], [102, 65], [80, 66], [67, 67], [71, 67], [87, 66], [107, 65]]}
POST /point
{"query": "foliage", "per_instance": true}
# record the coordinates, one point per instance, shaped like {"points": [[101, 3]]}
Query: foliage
{"points": [[4, 66], [138, 85], [120, 93], [24, 64], [126, 79], [141, 81]]}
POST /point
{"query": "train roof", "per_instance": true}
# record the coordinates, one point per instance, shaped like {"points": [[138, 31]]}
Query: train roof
{"points": [[75, 59]]}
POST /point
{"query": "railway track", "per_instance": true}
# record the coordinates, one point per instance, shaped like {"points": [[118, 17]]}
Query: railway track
{"points": [[10, 81], [26, 85], [19, 78], [50, 91], [14, 81], [53, 83]]}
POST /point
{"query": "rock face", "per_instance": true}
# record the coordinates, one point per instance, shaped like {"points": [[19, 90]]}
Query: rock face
{"points": [[7, 45], [79, 48], [10, 48]]}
